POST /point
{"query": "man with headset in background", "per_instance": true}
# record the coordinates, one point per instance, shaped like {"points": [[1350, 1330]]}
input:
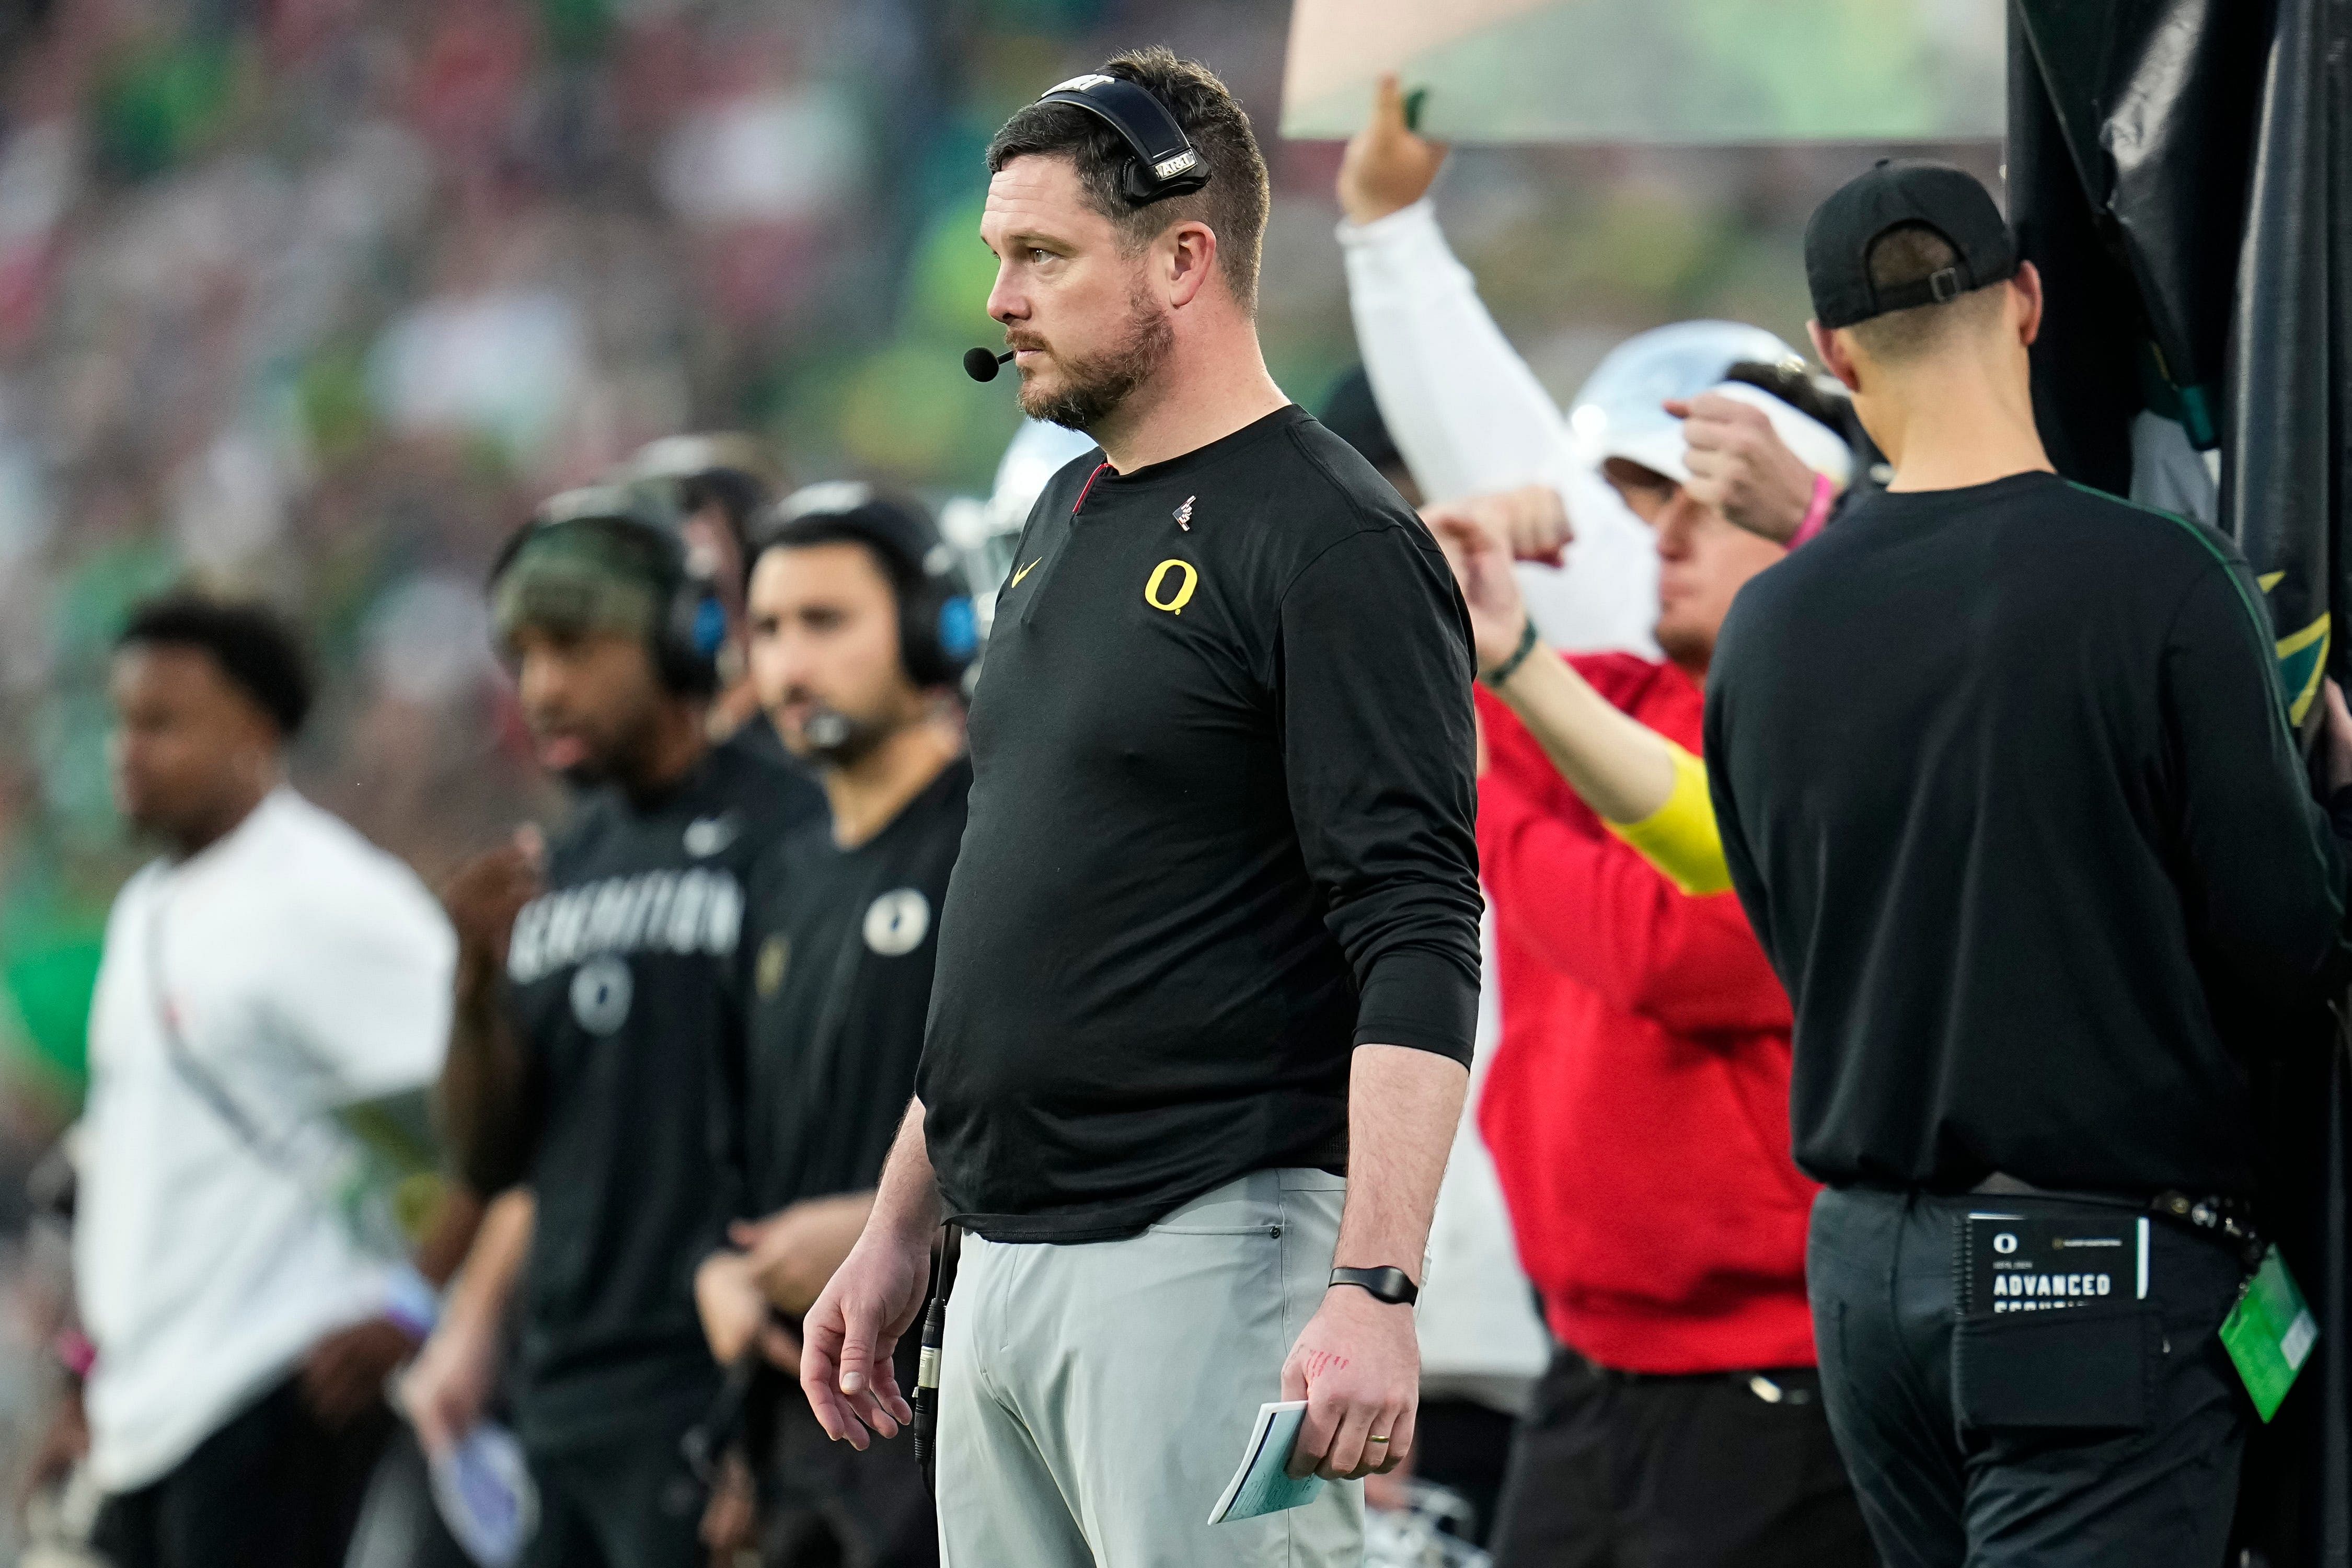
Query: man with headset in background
{"points": [[861, 630], [717, 481], [723, 481], [595, 1018], [1211, 937]]}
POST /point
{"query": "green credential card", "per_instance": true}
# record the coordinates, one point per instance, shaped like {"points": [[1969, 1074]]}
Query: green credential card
{"points": [[2269, 1334]]}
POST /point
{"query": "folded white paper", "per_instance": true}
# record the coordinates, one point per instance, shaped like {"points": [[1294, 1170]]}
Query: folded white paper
{"points": [[1262, 1485]]}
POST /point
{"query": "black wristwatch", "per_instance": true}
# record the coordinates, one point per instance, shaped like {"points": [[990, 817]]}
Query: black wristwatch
{"points": [[1393, 1286]]}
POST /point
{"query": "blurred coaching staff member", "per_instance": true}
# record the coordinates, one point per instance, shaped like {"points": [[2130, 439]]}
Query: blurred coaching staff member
{"points": [[2006, 785], [588, 1057], [1212, 936], [272, 968], [861, 629]]}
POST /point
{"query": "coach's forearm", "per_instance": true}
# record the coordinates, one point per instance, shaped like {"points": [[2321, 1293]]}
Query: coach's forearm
{"points": [[1621, 768], [907, 1204], [481, 1091], [477, 1297], [1402, 1108]]}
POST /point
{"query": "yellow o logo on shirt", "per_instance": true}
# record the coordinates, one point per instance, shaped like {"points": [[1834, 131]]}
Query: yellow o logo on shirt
{"points": [[1184, 590]]}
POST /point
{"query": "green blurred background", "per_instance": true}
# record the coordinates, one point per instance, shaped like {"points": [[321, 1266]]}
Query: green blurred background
{"points": [[316, 297]]}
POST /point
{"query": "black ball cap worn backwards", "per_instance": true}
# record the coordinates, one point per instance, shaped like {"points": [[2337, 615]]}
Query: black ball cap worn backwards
{"points": [[1891, 194]]}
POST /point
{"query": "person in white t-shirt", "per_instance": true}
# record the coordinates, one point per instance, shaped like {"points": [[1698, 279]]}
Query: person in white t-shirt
{"points": [[270, 969]]}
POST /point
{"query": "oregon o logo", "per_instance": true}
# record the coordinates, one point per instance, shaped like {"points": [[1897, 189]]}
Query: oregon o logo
{"points": [[773, 955], [896, 923], [2004, 1243], [600, 995], [1182, 596]]}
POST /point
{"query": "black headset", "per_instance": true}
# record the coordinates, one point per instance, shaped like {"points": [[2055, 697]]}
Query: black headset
{"points": [[939, 630], [1164, 164], [690, 626]]}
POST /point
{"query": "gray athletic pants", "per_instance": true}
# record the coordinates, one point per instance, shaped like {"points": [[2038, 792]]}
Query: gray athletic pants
{"points": [[1094, 1399]]}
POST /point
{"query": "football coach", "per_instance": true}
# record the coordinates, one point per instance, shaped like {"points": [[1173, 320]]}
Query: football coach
{"points": [[1208, 960]]}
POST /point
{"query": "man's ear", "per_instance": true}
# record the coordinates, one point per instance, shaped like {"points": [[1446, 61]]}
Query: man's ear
{"points": [[2025, 288], [1189, 259], [1829, 348]]}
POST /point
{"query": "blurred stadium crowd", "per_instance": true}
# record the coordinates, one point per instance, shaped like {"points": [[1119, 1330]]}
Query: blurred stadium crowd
{"points": [[317, 297]]}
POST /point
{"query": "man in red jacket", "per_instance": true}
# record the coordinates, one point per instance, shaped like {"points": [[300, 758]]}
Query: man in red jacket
{"points": [[1638, 1109]]}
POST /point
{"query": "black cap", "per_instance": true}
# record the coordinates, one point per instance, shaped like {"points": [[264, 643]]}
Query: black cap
{"points": [[1889, 195]]}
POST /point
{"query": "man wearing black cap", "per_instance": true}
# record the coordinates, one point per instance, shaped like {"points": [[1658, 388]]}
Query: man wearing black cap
{"points": [[2006, 785], [594, 1020]]}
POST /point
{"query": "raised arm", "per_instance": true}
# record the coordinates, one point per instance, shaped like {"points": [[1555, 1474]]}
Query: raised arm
{"points": [[1460, 403], [484, 1098], [1650, 791]]}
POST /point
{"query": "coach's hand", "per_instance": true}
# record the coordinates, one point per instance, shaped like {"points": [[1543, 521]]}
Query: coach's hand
{"points": [[1358, 1366], [446, 1387], [847, 1337], [735, 1313], [1531, 521], [343, 1374], [1387, 167], [1482, 565], [1739, 466], [488, 891], [793, 1254]]}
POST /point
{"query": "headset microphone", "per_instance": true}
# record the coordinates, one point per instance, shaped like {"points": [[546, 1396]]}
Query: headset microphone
{"points": [[827, 730], [981, 365]]}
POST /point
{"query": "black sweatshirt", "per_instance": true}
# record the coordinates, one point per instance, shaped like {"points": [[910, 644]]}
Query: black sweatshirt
{"points": [[620, 982], [2006, 786], [1222, 832], [838, 946]]}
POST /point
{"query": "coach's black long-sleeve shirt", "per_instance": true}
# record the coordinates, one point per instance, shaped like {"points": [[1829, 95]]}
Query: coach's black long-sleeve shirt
{"points": [[2006, 787], [1220, 833]]}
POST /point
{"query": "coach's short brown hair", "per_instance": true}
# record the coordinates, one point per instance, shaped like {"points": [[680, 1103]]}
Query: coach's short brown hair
{"points": [[1912, 253], [1235, 202]]}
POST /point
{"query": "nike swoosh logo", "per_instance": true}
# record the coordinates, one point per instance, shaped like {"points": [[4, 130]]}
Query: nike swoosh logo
{"points": [[1025, 571]]}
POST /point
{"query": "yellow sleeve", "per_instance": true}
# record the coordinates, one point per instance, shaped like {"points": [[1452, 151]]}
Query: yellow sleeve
{"points": [[1680, 839]]}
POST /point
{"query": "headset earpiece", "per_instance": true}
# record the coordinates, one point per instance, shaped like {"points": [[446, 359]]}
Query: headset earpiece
{"points": [[1164, 162], [939, 627], [690, 627]]}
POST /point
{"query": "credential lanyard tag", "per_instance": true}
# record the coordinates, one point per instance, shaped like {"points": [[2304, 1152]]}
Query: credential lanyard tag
{"points": [[2269, 1333]]}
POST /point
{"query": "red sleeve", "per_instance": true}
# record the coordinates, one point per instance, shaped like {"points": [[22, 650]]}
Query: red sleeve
{"points": [[1593, 909]]}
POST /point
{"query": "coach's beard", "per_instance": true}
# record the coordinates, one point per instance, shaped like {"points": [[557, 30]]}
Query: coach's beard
{"points": [[1093, 389]]}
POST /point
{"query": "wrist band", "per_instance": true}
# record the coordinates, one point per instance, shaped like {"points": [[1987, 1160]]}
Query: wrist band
{"points": [[74, 1351], [1510, 667], [1392, 1285], [1826, 494]]}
